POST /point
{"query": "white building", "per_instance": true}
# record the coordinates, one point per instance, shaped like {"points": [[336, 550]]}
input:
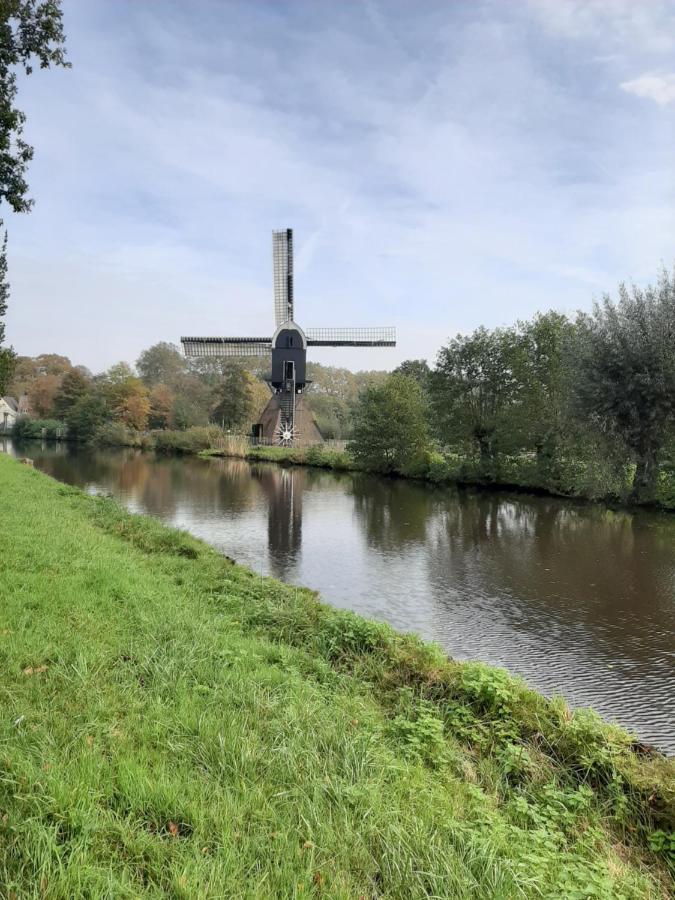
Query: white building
{"points": [[9, 411]]}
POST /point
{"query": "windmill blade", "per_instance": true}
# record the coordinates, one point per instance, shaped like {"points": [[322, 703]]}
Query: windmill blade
{"points": [[282, 254], [351, 337], [226, 346]]}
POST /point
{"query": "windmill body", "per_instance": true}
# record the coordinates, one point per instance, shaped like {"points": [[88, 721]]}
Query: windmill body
{"points": [[287, 419]]}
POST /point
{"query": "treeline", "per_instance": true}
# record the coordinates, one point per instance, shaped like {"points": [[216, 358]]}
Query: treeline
{"points": [[167, 392], [164, 392], [582, 406]]}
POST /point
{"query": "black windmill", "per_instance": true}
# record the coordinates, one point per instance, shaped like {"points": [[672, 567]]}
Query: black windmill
{"points": [[286, 419]]}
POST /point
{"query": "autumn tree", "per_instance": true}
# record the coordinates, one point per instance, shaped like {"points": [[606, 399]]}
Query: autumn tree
{"points": [[162, 400], [41, 395]]}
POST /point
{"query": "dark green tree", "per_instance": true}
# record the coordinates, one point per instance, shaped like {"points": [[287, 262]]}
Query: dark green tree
{"points": [[417, 369], [475, 388], [87, 415], [74, 385], [30, 31], [390, 425], [232, 398], [625, 374], [543, 418]]}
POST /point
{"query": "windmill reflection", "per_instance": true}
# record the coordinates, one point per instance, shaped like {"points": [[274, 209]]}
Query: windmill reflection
{"points": [[283, 489]]}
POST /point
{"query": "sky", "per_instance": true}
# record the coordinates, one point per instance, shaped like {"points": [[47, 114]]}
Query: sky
{"points": [[443, 165]]}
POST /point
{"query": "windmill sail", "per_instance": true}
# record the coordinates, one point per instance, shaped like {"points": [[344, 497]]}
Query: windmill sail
{"points": [[282, 252], [351, 337], [226, 346]]}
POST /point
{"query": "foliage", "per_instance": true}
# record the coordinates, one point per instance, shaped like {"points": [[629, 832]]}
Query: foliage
{"points": [[29, 30], [232, 398], [417, 369], [475, 386], [390, 425], [190, 440], [163, 363], [7, 355], [73, 386], [26, 429], [162, 401], [625, 375], [172, 724], [86, 416]]}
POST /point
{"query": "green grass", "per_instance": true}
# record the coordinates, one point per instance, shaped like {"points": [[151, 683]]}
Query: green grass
{"points": [[173, 725]]}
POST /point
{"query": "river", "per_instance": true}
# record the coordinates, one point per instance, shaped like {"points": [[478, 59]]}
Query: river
{"points": [[578, 599]]}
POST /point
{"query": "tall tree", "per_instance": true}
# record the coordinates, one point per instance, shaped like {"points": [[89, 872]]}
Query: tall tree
{"points": [[232, 398], [390, 425], [544, 373], [475, 387], [74, 385], [30, 31], [7, 356], [162, 363], [626, 373], [417, 369]]}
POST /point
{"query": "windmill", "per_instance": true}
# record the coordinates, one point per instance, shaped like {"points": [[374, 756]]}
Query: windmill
{"points": [[286, 419]]}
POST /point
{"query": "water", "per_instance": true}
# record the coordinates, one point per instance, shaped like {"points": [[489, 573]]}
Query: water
{"points": [[578, 600]]}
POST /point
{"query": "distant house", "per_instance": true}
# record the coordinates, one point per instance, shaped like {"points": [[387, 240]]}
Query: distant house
{"points": [[9, 411]]}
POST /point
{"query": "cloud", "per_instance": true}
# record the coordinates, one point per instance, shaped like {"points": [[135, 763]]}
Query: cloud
{"points": [[659, 88], [484, 170]]}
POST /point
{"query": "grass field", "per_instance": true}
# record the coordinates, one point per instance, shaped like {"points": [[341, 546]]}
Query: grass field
{"points": [[172, 725]]}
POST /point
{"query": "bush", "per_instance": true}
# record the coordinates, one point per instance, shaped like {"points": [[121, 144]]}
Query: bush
{"points": [[192, 440], [26, 429], [115, 434]]}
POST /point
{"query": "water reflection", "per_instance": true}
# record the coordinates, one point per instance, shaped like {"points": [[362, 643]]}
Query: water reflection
{"points": [[578, 599]]}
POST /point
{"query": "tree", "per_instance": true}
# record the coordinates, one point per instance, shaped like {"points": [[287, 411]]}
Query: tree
{"points": [[162, 363], [232, 398], [475, 387], [41, 394], [29, 30], [390, 425], [74, 385], [625, 381], [7, 355], [544, 373], [162, 400], [127, 397], [85, 417], [417, 369]]}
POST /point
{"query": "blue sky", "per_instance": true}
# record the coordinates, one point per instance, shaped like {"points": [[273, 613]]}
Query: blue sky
{"points": [[443, 164]]}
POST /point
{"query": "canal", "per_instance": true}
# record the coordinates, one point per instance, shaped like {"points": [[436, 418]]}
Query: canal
{"points": [[578, 599]]}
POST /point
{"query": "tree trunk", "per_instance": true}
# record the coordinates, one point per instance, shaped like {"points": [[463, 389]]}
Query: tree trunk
{"points": [[646, 475]]}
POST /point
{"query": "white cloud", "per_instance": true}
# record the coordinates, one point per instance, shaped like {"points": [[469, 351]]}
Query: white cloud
{"points": [[659, 88]]}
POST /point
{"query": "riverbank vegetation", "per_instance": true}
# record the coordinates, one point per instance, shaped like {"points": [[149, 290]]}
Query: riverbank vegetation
{"points": [[174, 724], [579, 407]]}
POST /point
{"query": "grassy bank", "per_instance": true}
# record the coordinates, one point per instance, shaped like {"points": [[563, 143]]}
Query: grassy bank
{"points": [[573, 480], [174, 725]]}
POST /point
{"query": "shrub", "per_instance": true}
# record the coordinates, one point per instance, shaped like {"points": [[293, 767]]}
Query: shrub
{"points": [[192, 440], [26, 429]]}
